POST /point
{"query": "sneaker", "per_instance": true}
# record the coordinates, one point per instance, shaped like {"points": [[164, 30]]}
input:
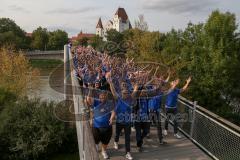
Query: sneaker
{"points": [[165, 132], [129, 156], [105, 155], [177, 136], [162, 142], [148, 136], [133, 129], [116, 145]]}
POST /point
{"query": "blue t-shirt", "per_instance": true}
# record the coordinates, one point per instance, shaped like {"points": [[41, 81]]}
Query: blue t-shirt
{"points": [[124, 110], [142, 114], [101, 114], [154, 103], [89, 78], [172, 98], [129, 84]]}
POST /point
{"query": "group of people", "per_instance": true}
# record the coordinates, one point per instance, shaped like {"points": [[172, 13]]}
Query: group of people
{"points": [[117, 89]]}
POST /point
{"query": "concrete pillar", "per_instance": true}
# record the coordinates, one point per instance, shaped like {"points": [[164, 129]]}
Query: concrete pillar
{"points": [[67, 72]]}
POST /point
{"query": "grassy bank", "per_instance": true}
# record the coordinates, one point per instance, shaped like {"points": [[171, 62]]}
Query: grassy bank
{"points": [[45, 63]]}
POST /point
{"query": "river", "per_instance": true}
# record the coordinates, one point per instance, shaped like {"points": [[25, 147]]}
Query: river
{"points": [[50, 87]]}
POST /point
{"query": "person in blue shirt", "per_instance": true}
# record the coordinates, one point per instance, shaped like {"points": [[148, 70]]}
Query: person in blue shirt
{"points": [[102, 110], [123, 111], [141, 117], [154, 105], [171, 104]]}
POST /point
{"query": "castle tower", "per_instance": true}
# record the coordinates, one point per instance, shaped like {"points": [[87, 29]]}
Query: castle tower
{"points": [[121, 21], [99, 28]]}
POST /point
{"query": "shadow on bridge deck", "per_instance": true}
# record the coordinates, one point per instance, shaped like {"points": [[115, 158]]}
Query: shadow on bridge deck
{"points": [[175, 149]]}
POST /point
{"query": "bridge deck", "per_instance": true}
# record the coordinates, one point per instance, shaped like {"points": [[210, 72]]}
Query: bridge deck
{"points": [[175, 149]]}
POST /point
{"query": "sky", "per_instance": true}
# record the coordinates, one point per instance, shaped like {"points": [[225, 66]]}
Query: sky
{"points": [[76, 15]]}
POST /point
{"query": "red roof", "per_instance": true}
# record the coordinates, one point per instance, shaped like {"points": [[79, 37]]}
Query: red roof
{"points": [[99, 24], [82, 35], [122, 14], [29, 34]]}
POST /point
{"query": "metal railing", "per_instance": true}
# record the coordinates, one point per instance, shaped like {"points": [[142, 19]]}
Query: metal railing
{"points": [[218, 137], [86, 144]]}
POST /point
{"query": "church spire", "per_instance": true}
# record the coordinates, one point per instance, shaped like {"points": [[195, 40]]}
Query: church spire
{"points": [[99, 24]]}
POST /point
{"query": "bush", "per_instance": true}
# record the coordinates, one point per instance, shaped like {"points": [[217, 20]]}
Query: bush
{"points": [[17, 75], [29, 130]]}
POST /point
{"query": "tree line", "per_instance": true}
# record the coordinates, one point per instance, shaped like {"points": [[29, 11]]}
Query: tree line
{"points": [[41, 39]]}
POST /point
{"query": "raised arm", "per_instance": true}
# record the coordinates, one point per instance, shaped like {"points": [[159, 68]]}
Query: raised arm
{"points": [[135, 91], [109, 80], [89, 98], [153, 77], [186, 85], [167, 79]]}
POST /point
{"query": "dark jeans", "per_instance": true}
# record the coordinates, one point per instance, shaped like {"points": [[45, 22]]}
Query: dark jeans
{"points": [[171, 113], [127, 131], [155, 118], [142, 129]]}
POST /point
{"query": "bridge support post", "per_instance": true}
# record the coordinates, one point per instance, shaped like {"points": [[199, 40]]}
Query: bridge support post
{"points": [[193, 118], [67, 71]]}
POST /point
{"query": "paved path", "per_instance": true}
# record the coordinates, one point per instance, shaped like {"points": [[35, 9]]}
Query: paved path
{"points": [[175, 149]]}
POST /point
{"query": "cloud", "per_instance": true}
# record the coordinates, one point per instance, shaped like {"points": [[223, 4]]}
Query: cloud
{"points": [[71, 10], [179, 6], [17, 9]]}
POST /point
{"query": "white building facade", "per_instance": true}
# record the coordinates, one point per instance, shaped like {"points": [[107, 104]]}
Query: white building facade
{"points": [[120, 23]]}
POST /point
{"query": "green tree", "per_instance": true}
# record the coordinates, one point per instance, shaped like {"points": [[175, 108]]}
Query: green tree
{"points": [[114, 36], [57, 39], [40, 38], [83, 41], [12, 34], [207, 51], [97, 42], [211, 51], [29, 130]]}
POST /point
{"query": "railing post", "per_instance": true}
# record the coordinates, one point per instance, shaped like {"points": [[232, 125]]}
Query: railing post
{"points": [[66, 73], [193, 118]]}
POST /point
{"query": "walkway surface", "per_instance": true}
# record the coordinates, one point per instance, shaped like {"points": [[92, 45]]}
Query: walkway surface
{"points": [[175, 149]]}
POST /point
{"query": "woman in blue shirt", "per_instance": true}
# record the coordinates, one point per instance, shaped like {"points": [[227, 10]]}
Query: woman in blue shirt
{"points": [[123, 110], [102, 109], [171, 104]]}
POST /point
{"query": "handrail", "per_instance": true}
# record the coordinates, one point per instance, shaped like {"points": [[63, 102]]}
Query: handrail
{"points": [[217, 137], [212, 115], [86, 144]]}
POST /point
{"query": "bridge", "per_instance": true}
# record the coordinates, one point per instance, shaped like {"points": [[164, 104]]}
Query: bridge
{"points": [[206, 135], [58, 55]]}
